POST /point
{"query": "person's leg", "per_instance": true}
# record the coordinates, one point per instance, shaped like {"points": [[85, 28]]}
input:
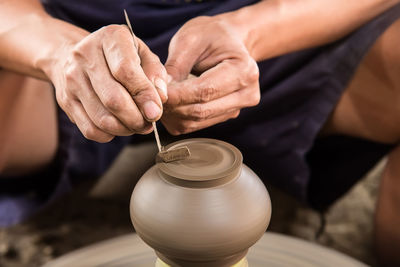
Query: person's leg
{"points": [[28, 124], [370, 109]]}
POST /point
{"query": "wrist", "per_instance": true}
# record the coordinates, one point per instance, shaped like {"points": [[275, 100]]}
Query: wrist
{"points": [[54, 46], [251, 24]]}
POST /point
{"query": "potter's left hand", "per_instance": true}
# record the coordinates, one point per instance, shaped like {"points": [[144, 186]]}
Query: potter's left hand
{"points": [[226, 76]]}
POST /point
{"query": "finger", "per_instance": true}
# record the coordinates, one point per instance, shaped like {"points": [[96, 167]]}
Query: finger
{"points": [[222, 52], [87, 127], [116, 99], [203, 111], [154, 70], [223, 79], [183, 52], [177, 127], [124, 64], [98, 114]]}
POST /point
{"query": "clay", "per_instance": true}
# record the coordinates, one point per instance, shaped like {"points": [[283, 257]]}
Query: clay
{"points": [[206, 210], [180, 153], [272, 250]]}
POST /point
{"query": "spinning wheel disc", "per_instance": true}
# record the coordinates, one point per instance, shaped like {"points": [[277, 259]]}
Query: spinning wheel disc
{"points": [[271, 250]]}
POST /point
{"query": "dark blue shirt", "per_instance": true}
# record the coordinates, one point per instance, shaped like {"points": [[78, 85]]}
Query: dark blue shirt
{"points": [[154, 21], [299, 91]]}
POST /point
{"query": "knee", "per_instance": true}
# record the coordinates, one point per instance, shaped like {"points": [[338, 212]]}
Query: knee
{"points": [[29, 132], [16, 164], [22, 153]]}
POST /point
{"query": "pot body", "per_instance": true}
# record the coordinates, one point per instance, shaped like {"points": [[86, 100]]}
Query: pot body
{"points": [[200, 223]]}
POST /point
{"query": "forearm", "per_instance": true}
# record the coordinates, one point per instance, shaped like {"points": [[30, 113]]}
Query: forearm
{"points": [[275, 27], [30, 39]]}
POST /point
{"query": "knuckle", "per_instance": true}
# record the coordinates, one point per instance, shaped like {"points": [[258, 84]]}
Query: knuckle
{"points": [[89, 132], [63, 100], [113, 35], [155, 69], [113, 102], [123, 70], [202, 21], [255, 98], [121, 30], [72, 84], [186, 127], [82, 52], [104, 138], [155, 65], [108, 123], [190, 39], [206, 94], [71, 73], [145, 130], [253, 73], [77, 51], [250, 74], [60, 98], [108, 139], [184, 38], [199, 112], [143, 91], [139, 126], [111, 29]]}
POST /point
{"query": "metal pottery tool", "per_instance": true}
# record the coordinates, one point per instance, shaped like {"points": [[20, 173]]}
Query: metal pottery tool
{"points": [[179, 153]]}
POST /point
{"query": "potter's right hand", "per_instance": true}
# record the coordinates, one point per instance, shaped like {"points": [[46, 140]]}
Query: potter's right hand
{"points": [[109, 87]]}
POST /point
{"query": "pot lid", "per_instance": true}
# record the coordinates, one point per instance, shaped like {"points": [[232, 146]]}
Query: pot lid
{"points": [[209, 159]]}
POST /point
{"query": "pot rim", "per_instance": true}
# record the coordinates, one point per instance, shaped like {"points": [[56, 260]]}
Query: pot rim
{"points": [[214, 152]]}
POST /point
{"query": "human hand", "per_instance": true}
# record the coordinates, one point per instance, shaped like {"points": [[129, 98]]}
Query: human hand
{"points": [[227, 78], [108, 86]]}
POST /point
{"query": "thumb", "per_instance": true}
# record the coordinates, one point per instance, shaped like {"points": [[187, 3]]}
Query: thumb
{"points": [[183, 53], [154, 70]]}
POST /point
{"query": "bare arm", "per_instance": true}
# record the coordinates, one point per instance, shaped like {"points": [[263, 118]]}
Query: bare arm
{"points": [[30, 39], [106, 84], [275, 27], [223, 49]]}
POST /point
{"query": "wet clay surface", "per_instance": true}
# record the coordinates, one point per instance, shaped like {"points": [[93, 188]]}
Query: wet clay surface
{"points": [[96, 213], [208, 207]]}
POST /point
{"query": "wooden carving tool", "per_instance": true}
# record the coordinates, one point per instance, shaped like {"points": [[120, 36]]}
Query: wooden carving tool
{"points": [[175, 154]]}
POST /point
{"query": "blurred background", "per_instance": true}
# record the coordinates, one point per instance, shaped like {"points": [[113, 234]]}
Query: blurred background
{"points": [[100, 210]]}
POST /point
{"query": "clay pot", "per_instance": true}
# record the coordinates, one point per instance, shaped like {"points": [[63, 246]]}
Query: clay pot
{"points": [[206, 210]]}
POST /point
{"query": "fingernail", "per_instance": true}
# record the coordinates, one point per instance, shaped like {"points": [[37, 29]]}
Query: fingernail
{"points": [[151, 110], [161, 85]]}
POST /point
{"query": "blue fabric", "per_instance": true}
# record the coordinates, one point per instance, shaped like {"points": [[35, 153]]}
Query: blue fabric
{"points": [[154, 21], [299, 91]]}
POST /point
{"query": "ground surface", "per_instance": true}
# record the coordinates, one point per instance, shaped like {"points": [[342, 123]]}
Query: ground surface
{"points": [[98, 212]]}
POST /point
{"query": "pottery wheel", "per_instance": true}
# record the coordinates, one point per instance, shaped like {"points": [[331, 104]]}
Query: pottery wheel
{"points": [[271, 250]]}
